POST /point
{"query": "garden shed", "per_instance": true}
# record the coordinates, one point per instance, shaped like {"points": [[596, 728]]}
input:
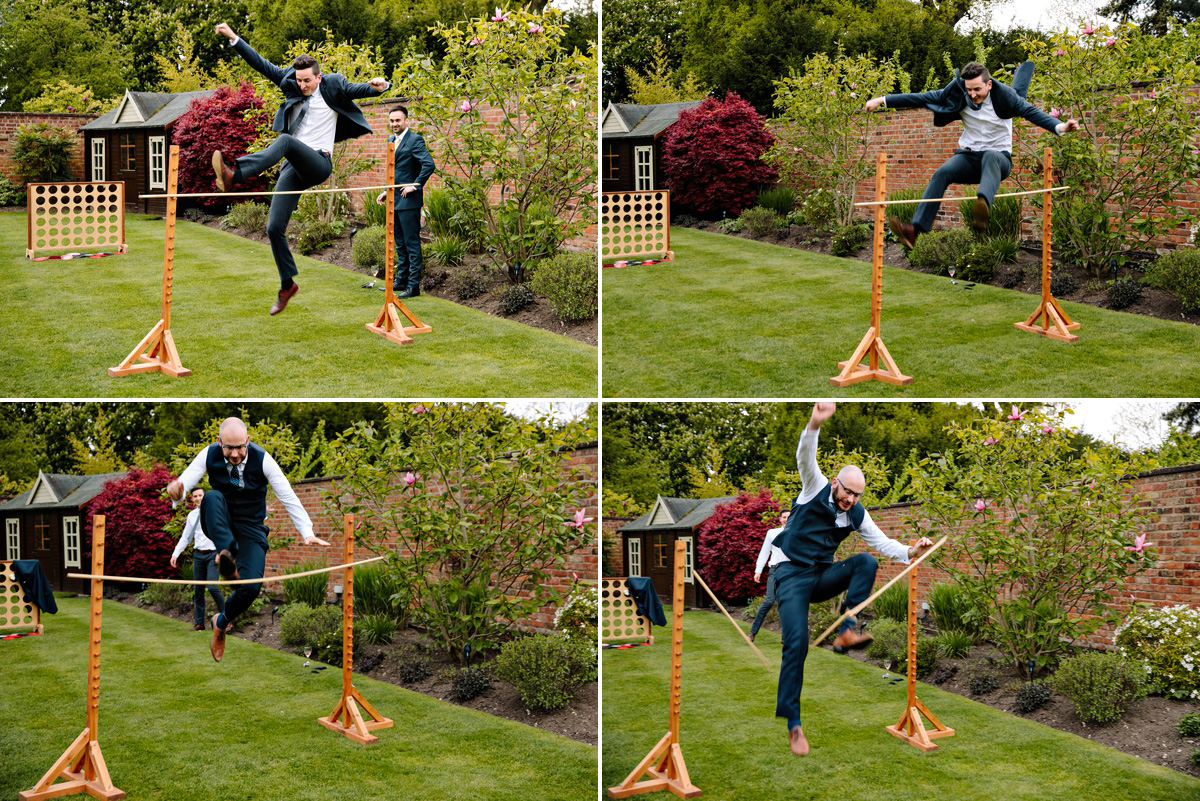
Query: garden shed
{"points": [[647, 544], [131, 143], [46, 523], [631, 138]]}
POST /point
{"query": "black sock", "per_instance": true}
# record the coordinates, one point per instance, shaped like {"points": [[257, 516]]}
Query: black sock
{"points": [[286, 285]]}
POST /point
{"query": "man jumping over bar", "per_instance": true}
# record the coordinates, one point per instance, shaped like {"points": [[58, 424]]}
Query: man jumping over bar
{"points": [[984, 155], [234, 510], [317, 111], [824, 514]]}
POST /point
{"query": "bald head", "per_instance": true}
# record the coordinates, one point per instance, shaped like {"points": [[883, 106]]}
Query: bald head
{"points": [[849, 486], [233, 440]]}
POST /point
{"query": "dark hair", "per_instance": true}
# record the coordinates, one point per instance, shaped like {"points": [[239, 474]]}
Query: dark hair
{"points": [[974, 69], [306, 62], [399, 108]]}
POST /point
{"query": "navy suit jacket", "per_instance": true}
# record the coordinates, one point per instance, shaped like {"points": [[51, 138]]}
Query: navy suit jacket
{"points": [[948, 102], [339, 93], [414, 164]]}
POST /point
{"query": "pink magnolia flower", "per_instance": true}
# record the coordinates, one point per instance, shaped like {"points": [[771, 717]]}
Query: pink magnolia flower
{"points": [[466, 106], [535, 28], [1017, 414], [409, 479], [476, 41], [420, 410], [1060, 52], [1088, 30], [853, 86], [1048, 430], [500, 16], [1139, 542], [580, 521], [1055, 113], [1093, 484], [990, 441], [980, 504], [854, 94], [1153, 94], [1109, 42]]}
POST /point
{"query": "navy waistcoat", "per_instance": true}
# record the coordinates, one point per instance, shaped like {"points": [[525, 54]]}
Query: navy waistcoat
{"points": [[248, 503], [812, 534]]}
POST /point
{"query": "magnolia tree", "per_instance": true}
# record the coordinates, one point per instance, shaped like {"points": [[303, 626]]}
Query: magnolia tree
{"points": [[475, 509], [1136, 150], [712, 156], [508, 110], [823, 136], [729, 541], [1041, 539]]}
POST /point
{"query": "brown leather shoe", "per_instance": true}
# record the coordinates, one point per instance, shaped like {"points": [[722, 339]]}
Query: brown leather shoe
{"points": [[979, 214], [284, 296], [223, 172], [905, 232], [849, 639], [227, 566], [198, 627], [751, 635], [218, 640], [798, 741]]}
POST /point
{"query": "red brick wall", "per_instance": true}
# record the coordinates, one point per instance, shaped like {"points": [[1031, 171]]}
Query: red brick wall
{"points": [[614, 560], [1172, 495], [583, 562], [376, 113], [10, 121]]}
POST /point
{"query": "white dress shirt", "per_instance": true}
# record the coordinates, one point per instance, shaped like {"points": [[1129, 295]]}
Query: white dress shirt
{"points": [[278, 481], [814, 481], [192, 528], [769, 551], [983, 129], [318, 129]]}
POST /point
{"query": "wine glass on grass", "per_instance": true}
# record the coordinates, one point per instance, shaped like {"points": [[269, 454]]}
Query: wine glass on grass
{"points": [[951, 269], [307, 652]]}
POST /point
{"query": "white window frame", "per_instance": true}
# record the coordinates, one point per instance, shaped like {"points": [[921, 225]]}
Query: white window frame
{"points": [[98, 159], [157, 145], [633, 555], [689, 559], [71, 542], [12, 533], [643, 179]]}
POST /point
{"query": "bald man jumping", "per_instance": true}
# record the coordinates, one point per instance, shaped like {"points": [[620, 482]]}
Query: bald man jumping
{"points": [[824, 514], [234, 511]]}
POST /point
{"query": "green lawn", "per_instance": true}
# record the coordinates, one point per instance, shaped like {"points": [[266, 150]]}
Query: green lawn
{"points": [[736, 750], [66, 322], [175, 725], [732, 317]]}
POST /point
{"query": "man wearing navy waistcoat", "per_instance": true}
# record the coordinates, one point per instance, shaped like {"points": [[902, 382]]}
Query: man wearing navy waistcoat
{"points": [[984, 155], [414, 165], [824, 514], [234, 510], [318, 111]]}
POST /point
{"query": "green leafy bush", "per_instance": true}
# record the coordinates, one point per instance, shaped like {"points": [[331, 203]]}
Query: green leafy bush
{"points": [[1189, 725], [320, 627], [11, 194], [978, 263], [890, 641], [317, 235], [779, 199], [955, 644], [570, 283], [414, 668], [43, 152], [534, 231], [905, 211], [730, 225], [760, 221], [1194, 757], [1032, 696], [928, 649], [469, 682], [983, 682], [448, 250], [369, 248], [950, 606], [849, 239], [546, 669], [250, 217], [1004, 218], [376, 629], [938, 250], [1100, 685], [1179, 274], [1167, 642], [819, 209], [1123, 292], [578, 616], [378, 591], [515, 298], [166, 595], [1063, 284], [470, 284], [753, 605], [892, 603], [374, 213], [1006, 249], [308, 590], [439, 212]]}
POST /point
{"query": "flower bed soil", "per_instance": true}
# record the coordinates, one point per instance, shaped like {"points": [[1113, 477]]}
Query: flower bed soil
{"points": [[1146, 730], [1024, 276], [578, 721]]}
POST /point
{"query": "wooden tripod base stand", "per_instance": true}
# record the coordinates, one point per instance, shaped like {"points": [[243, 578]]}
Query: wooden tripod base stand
{"points": [[664, 764], [872, 349], [346, 719], [1055, 324], [910, 728]]}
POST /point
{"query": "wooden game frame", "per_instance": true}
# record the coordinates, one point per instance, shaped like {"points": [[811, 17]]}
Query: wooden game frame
{"points": [[17, 613], [636, 225], [619, 618], [75, 215]]}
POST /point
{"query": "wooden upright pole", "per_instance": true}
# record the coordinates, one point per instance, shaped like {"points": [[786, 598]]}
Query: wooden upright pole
{"points": [[871, 347], [156, 353], [352, 724], [82, 765], [1055, 323], [910, 727], [664, 764], [387, 323]]}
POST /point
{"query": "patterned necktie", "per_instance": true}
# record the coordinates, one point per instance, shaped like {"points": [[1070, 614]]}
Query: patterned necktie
{"points": [[234, 476]]}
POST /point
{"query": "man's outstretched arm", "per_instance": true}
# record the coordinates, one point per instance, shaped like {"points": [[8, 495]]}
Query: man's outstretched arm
{"points": [[811, 477]]}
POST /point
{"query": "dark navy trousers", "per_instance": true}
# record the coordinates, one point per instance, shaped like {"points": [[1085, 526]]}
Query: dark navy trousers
{"points": [[408, 247], [768, 602], [796, 587], [246, 540], [987, 168]]}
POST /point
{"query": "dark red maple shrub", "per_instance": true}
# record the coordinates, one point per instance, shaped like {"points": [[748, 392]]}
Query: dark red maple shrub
{"points": [[217, 122], [136, 511], [729, 542], [712, 156]]}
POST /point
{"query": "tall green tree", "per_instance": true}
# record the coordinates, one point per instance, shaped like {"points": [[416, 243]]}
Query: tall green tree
{"points": [[1153, 16], [635, 33]]}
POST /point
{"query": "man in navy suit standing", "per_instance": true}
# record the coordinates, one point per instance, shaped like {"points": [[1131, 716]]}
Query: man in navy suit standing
{"points": [[984, 154], [318, 111], [414, 165]]}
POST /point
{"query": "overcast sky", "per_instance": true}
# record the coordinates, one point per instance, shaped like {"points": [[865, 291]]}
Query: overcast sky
{"points": [[1054, 15]]}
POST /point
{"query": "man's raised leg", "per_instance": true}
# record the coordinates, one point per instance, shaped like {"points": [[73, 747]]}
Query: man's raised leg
{"points": [[214, 519]]}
